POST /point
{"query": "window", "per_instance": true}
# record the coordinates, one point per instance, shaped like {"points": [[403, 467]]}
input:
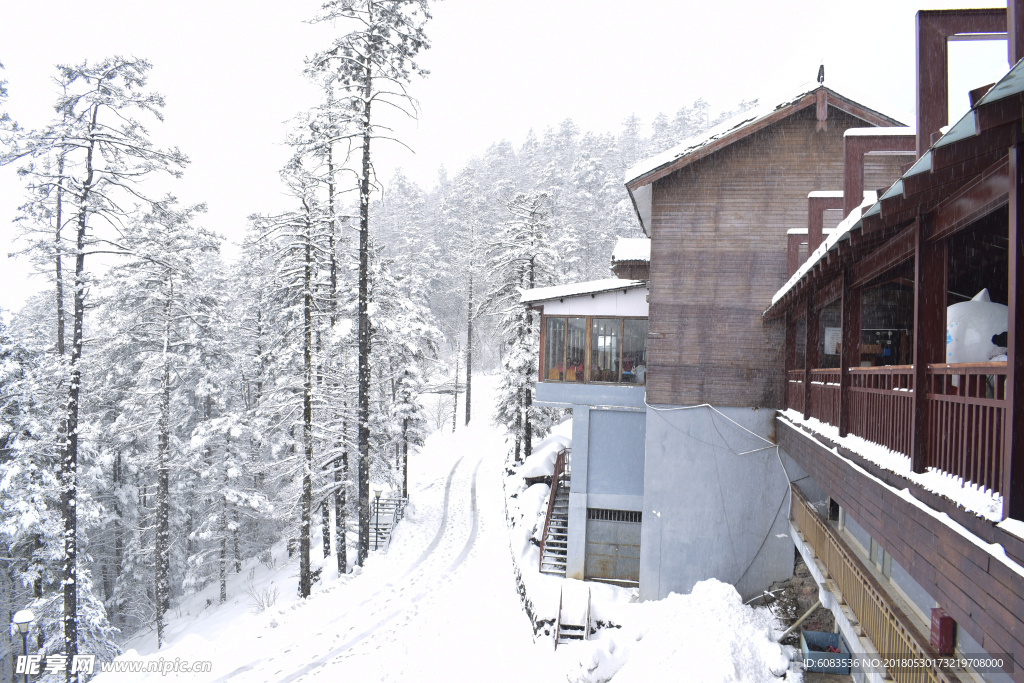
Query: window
{"points": [[591, 349]]}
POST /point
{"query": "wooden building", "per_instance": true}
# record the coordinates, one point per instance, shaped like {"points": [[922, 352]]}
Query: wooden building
{"points": [[904, 398]]}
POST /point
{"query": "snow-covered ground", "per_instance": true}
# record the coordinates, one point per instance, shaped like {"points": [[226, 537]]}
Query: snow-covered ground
{"points": [[442, 603]]}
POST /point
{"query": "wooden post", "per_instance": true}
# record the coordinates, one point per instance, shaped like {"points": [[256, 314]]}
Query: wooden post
{"points": [[810, 349], [790, 356], [1013, 447], [929, 330], [850, 355], [1015, 30]]}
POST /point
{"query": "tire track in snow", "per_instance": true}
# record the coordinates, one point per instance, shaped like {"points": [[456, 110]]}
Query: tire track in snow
{"points": [[355, 640], [415, 565]]}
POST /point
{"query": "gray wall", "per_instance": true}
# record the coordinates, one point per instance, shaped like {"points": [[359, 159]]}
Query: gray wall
{"points": [[607, 437], [615, 462], [712, 509]]}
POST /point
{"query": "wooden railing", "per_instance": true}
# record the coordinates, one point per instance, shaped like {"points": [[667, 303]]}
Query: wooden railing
{"points": [[795, 390], [825, 395], [556, 479], [882, 405], [889, 629], [966, 417]]}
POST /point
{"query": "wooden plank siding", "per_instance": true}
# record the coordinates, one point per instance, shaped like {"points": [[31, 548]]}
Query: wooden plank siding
{"points": [[718, 254], [982, 594]]}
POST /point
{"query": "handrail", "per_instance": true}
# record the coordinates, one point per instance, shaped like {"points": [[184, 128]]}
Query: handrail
{"points": [[881, 620], [556, 477], [586, 622], [558, 620]]}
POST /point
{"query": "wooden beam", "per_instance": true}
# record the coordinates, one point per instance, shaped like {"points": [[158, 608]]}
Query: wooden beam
{"points": [[981, 196], [811, 344], [930, 264], [1013, 466], [889, 255], [854, 149], [1015, 30], [850, 353], [956, 173], [829, 293], [816, 207], [933, 28], [793, 243], [996, 139]]}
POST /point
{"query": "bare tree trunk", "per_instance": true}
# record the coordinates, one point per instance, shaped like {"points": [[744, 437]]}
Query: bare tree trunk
{"points": [[340, 495], [405, 458], [455, 388], [364, 325], [469, 347], [528, 385], [305, 573], [69, 454], [162, 550]]}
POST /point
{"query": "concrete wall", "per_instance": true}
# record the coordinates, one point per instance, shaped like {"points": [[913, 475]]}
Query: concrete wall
{"points": [[713, 508], [608, 434]]}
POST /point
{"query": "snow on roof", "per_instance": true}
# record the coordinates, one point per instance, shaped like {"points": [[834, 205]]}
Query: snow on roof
{"points": [[632, 249], [730, 126], [825, 194], [876, 131], [530, 296], [840, 233]]}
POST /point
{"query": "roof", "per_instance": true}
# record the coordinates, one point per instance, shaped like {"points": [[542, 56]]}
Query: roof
{"points": [[1010, 85], [632, 249], [532, 296], [639, 177]]}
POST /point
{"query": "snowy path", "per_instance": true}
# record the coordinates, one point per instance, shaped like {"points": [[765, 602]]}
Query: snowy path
{"points": [[440, 605]]}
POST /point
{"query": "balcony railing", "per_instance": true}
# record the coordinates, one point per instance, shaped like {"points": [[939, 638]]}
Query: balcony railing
{"points": [[825, 395], [965, 406], [967, 411], [795, 390], [882, 405]]}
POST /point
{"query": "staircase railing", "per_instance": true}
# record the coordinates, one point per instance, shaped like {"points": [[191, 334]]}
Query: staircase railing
{"points": [[556, 481]]}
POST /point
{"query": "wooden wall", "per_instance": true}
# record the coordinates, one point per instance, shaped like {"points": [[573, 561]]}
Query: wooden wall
{"points": [[719, 254], [982, 594]]}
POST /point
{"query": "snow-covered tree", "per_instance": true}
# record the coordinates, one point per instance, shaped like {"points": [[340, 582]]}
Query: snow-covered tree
{"points": [[371, 65]]}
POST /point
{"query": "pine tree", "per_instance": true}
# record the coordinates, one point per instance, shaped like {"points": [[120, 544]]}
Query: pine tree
{"points": [[371, 64], [98, 136]]}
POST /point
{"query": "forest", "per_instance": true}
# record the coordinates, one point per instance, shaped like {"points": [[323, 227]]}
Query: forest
{"points": [[166, 412]]}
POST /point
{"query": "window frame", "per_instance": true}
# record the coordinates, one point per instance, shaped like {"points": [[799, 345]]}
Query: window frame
{"points": [[588, 325]]}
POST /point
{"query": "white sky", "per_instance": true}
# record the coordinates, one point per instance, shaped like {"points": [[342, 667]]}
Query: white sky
{"points": [[231, 72]]}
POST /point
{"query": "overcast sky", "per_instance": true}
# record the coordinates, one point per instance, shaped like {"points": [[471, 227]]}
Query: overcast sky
{"points": [[231, 72]]}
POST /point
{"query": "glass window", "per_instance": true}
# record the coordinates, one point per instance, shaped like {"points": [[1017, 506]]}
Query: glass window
{"points": [[605, 336], [634, 351], [575, 349], [554, 350]]}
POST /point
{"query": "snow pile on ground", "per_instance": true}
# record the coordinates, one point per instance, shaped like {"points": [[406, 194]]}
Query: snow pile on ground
{"points": [[707, 636], [541, 462], [971, 497]]}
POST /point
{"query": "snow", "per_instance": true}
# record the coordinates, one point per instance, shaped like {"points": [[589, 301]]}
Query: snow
{"points": [[982, 502], [825, 194], [839, 233], [541, 462], [995, 550], [708, 635], [1012, 526], [443, 603], [879, 131], [578, 289], [632, 249]]}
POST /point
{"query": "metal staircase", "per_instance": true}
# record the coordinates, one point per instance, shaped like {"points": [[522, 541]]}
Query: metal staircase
{"points": [[555, 539], [385, 513]]}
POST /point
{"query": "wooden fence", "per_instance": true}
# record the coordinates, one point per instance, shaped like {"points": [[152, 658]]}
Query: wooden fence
{"points": [[884, 623], [967, 408]]}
